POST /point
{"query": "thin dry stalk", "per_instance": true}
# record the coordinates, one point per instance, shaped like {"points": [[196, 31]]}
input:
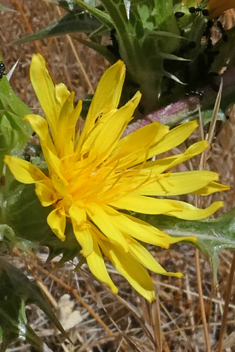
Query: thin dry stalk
{"points": [[226, 306], [156, 323], [209, 137], [203, 314], [91, 89]]}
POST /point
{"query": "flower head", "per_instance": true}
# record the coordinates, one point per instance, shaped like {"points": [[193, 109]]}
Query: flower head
{"points": [[95, 178]]}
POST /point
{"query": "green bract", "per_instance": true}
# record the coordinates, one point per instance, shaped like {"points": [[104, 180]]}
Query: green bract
{"points": [[24, 221]]}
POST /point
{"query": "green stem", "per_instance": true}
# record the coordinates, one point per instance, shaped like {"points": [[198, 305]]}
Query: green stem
{"points": [[129, 45]]}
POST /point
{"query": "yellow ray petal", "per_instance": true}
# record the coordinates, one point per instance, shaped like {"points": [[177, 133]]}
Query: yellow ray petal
{"points": [[175, 137], [78, 215], [106, 97], [46, 195], [179, 183], [82, 229], [143, 132], [113, 128], [142, 255], [146, 205], [192, 213], [54, 164], [84, 238], [24, 171], [127, 226], [130, 268], [163, 164], [67, 126], [61, 93], [131, 148], [44, 89], [155, 232], [57, 222], [96, 265], [106, 226], [212, 188], [40, 126]]}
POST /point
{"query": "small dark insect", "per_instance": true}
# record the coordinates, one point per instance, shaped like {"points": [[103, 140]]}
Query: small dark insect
{"points": [[209, 24], [179, 14], [27, 157], [204, 12], [114, 47], [2, 69], [207, 33]]}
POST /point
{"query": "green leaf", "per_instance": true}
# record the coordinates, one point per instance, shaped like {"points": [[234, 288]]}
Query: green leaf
{"points": [[72, 6], [13, 328], [16, 291], [212, 235], [71, 22], [100, 15], [14, 132]]}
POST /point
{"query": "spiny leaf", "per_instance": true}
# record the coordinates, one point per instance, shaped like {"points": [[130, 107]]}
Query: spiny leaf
{"points": [[14, 132], [212, 235], [102, 16], [71, 22], [16, 291]]}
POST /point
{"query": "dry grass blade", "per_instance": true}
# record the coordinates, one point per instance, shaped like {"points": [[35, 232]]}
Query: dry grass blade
{"points": [[203, 314], [156, 323], [227, 298], [215, 114], [202, 165]]}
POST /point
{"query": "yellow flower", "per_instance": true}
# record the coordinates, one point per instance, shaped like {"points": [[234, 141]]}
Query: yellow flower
{"points": [[95, 178], [217, 7]]}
